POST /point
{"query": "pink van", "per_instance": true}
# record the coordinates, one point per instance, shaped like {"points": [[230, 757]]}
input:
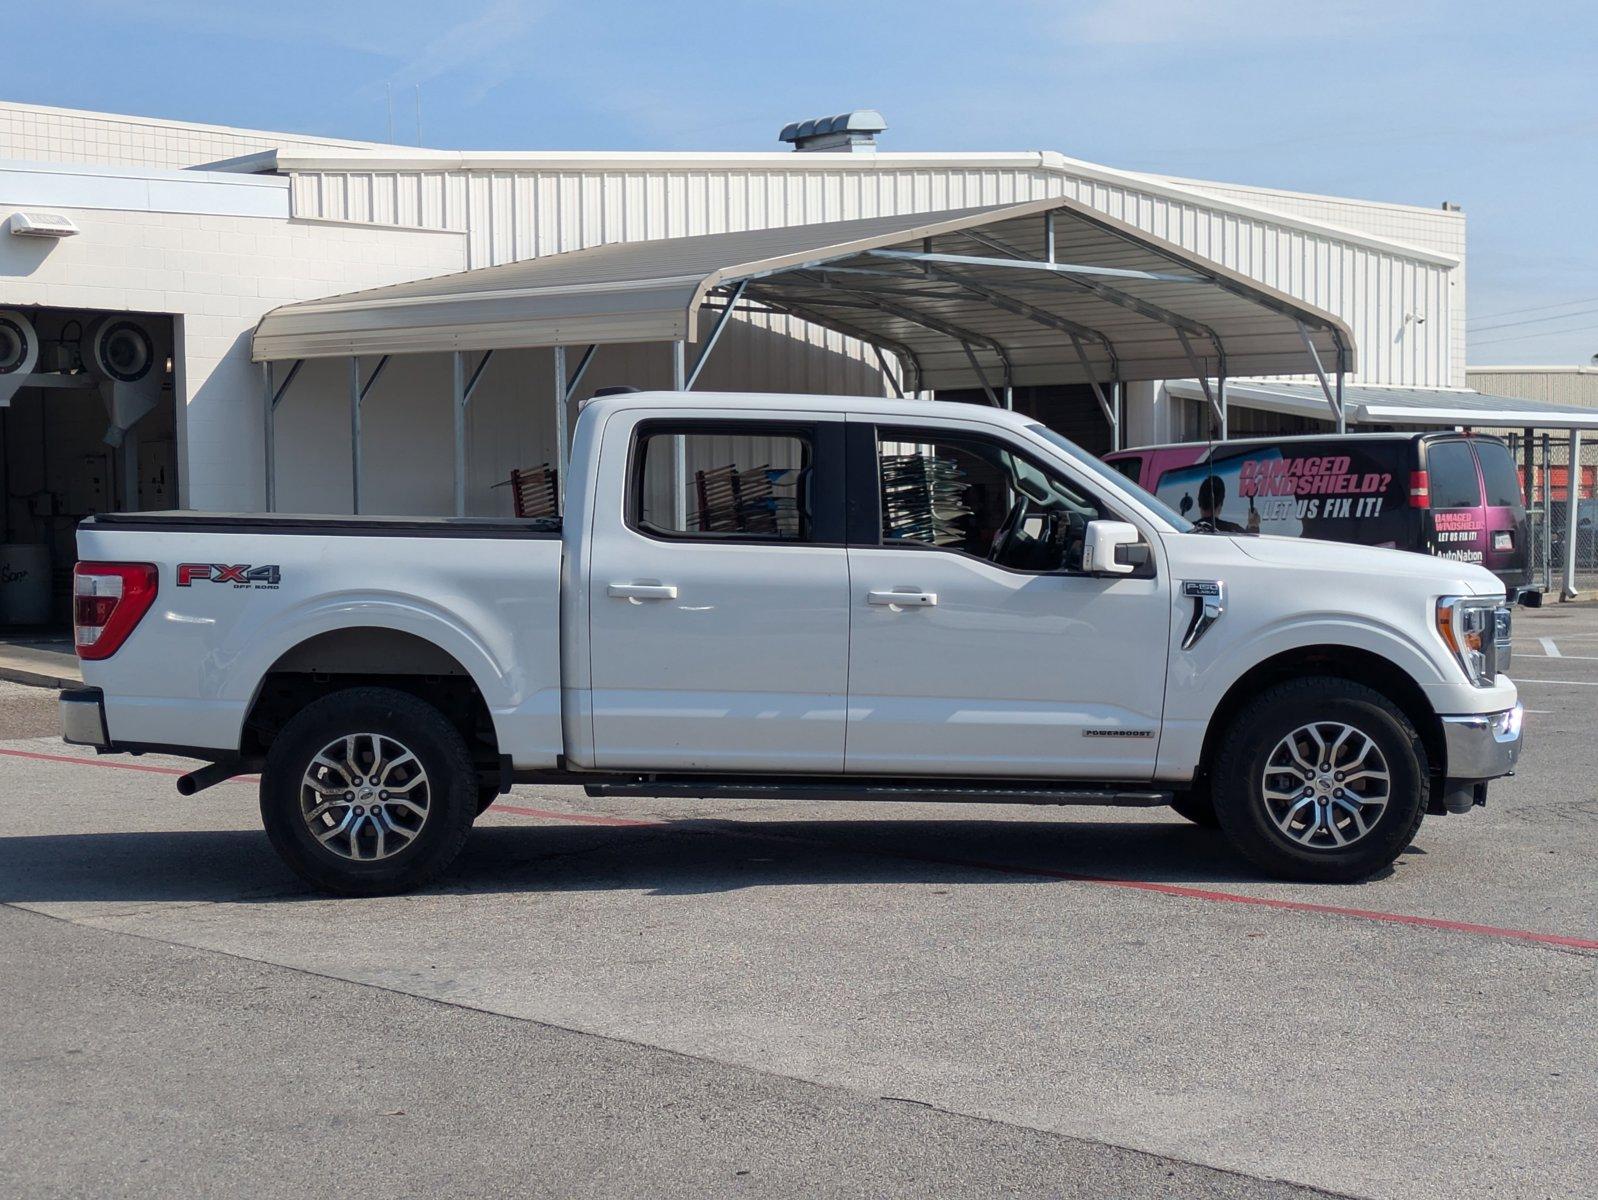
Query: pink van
{"points": [[1450, 494]]}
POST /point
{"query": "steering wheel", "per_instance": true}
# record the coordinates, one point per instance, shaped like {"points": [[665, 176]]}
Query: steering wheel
{"points": [[1004, 539]]}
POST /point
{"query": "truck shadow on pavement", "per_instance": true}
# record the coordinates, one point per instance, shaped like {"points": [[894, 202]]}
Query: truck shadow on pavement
{"points": [[678, 857]]}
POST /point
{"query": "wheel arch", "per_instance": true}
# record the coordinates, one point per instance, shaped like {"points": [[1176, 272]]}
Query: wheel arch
{"points": [[1339, 661], [362, 656]]}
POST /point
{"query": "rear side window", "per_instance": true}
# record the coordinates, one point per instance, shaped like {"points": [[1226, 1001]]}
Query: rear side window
{"points": [[1451, 473], [1498, 473], [1132, 468], [737, 488]]}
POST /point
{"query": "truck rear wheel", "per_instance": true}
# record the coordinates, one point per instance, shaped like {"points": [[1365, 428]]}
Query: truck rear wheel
{"points": [[368, 791], [1322, 780]]}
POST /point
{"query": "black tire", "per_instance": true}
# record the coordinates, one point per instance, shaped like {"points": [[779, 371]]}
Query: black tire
{"points": [[1257, 731], [1197, 804], [485, 796], [451, 782]]}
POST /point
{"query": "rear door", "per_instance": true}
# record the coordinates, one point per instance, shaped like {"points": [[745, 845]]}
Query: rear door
{"points": [[1506, 541], [1458, 524], [719, 596]]}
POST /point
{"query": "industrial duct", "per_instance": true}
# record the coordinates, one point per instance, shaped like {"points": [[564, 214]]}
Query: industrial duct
{"points": [[122, 354], [19, 352]]}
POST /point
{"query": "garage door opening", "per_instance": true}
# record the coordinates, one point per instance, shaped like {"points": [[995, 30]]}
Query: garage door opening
{"points": [[88, 424]]}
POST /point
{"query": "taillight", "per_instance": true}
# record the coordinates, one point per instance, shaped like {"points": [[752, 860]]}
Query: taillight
{"points": [[108, 600], [1420, 490]]}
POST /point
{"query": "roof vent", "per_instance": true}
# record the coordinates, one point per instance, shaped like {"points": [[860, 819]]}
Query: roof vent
{"points": [[853, 132]]}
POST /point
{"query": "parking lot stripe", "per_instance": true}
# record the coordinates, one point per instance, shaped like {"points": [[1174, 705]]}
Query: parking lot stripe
{"points": [[92, 762], [1566, 682], [1551, 650], [1140, 885]]}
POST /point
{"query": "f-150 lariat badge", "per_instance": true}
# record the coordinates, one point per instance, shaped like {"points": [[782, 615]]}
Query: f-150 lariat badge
{"points": [[1209, 602]]}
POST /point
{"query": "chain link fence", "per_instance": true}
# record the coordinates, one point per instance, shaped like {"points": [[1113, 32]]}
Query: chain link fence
{"points": [[1546, 475]]}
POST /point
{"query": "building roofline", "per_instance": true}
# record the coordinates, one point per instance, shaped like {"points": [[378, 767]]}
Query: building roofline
{"points": [[348, 154], [165, 123], [1512, 369], [1324, 197], [293, 161]]}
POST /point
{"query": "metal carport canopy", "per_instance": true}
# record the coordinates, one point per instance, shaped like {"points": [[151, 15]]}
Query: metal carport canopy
{"points": [[1048, 291], [1371, 404]]}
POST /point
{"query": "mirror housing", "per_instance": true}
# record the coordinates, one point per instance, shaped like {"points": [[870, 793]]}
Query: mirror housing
{"points": [[1112, 548]]}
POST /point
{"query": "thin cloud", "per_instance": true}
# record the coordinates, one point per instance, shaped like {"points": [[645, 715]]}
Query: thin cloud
{"points": [[1190, 22]]}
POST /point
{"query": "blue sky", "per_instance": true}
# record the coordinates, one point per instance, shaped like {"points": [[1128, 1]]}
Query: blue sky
{"points": [[1488, 104]]}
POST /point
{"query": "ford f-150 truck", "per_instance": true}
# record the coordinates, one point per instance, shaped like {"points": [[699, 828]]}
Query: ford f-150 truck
{"points": [[797, 596]]}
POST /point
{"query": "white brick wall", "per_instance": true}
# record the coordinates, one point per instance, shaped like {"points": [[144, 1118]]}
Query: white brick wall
{"points": [[39, 134], [217, 275]]}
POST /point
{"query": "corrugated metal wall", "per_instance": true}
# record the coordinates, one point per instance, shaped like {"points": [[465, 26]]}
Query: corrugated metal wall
{"points": [[1400, 306]]}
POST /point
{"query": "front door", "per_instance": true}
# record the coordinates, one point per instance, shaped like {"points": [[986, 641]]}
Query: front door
{"points": [[979, 646], [719, 599]]}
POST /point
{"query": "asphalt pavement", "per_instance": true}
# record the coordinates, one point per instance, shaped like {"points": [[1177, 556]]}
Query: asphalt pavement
{"points": [[651, 997]]}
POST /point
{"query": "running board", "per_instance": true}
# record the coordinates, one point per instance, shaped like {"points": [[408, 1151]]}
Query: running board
{"points": [[992, 792]]}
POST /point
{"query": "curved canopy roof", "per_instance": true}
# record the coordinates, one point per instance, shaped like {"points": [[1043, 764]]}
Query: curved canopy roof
{"points": [[1049, 291]]}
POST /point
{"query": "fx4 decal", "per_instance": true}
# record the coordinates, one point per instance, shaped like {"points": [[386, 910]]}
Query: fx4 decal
{"points": [[242, 575]]}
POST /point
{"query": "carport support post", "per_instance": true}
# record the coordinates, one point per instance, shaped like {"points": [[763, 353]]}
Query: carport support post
{"points": [[560, 428], [1220, 398], [679, 444], [1116, 393], [1572, 507], [458, 379], [269, 431], [355, 434]]}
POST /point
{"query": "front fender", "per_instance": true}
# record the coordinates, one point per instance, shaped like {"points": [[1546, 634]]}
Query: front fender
{"points": [[1200, 678]]}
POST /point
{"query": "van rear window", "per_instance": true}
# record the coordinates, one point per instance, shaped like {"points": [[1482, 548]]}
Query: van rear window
{"points": [[1451, 471], [1499, 474]]}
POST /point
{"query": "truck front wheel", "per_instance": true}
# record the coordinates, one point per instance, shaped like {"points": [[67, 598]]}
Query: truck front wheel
{"points": [[368, 791], [1321, 779]]}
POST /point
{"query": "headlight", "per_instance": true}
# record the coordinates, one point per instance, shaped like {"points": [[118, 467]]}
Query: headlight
{"points": [[1476, 629]]}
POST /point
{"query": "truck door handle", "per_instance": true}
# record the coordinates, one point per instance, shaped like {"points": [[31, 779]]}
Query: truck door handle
{"points": [[903, 599], [643, 591]]}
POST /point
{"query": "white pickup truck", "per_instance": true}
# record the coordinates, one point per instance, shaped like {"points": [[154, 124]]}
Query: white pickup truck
{"points": [[757, 595]]}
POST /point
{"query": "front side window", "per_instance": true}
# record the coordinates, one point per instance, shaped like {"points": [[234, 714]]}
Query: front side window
{"points": [[977, 496], [1451, 473], [732, 486]]}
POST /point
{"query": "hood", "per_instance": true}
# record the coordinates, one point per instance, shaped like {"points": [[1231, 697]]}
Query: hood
{"points": [[1444, 574]]}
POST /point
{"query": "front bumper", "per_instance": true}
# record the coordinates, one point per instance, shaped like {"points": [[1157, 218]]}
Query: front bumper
{"points": [[83, 718], [1483, 746]]}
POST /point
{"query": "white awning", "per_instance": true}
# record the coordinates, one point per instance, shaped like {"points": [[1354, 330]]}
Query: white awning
{"points": [[1049, 291], [1369, 404]]}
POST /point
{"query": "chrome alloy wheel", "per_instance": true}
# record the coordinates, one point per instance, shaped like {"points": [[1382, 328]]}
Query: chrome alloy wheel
{"points": [[1325, 785], [365, 796]]}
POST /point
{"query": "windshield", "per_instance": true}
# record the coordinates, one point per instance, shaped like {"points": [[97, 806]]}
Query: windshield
{"points": [[1102, 469]]}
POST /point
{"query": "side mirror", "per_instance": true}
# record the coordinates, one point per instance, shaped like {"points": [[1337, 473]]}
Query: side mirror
{"points": [[1112, 548]]}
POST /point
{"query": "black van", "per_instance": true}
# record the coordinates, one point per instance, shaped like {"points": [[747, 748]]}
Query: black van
{"points": [[1455, 495]]}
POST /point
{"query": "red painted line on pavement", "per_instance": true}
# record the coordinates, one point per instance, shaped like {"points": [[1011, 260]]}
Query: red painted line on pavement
{"points": [[1138, 885], [115, 766]]}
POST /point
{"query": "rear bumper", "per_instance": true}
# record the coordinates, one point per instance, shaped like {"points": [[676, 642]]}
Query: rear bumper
{"points": [[1483, 746], [83, 718]]}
